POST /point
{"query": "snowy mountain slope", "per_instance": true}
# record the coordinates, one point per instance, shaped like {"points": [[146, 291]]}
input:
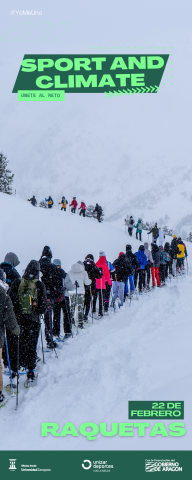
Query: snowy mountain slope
{"points": [[142, 352]]}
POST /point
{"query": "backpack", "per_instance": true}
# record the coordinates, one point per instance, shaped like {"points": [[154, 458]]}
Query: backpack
{"points": [[27, 294], [131, 222], [139, 226]]}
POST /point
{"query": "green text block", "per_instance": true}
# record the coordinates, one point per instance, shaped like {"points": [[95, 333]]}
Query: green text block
{"points": [[41, 96]]}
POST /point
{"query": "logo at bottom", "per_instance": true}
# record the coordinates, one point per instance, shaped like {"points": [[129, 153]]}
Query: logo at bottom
{"points": [[12, 464]]}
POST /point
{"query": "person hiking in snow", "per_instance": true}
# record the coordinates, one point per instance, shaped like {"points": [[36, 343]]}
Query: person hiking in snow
{"points": [[8, 321], [180, 255], [155, 232], [141, 257], [156, 263], [50, 280], [29, 300], [139, 227], [101, 284], [93, 272], [61, 301], [148, 254], [161, 237], [33, 200], [133, 265], [168, 266], [108, 285], [120, 276], [162, 265], [130, 224], [175, 250], [82, 208], [49, 201], [99, 212], [79, 277], [8, 266], [73, 204], [63, 204]]}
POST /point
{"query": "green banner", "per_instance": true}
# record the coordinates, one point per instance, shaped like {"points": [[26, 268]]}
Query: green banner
{"points": [[163, 410], [111, 74], [86, 464]]}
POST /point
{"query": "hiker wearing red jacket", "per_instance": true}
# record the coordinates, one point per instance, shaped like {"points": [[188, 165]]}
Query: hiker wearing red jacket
{"points": [[82, 208], [101, 283], [73, 205]]}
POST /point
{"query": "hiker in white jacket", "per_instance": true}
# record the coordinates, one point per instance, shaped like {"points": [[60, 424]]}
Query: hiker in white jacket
{"points": [[161, 237], [79, 276]]}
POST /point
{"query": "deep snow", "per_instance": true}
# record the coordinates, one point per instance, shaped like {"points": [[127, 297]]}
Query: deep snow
{"points": [[143, 352]]}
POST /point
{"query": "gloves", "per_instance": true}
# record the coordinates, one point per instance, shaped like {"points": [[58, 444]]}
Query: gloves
{"points": [[76, 284]]}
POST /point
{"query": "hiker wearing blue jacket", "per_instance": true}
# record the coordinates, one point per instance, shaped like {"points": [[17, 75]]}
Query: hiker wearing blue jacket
{"points": [[139, 228], [141, 257], [49, 201]]}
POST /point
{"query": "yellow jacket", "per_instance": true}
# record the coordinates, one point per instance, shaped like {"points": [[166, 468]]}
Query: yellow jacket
{"points": [[182, 250]]}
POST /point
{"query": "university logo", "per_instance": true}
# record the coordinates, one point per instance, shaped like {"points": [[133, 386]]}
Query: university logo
{"points": [[12, 464], [86, 464]]}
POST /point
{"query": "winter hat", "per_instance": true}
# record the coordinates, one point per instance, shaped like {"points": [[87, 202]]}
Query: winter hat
{"points": [[102, 254], [90, 256], [57, 262], [2, 275], [80, 263], [121, 253], [32, 270], [128, 248], [141, 248], [12, 258], [131, 216], [179, 239], [174, 236], [47, 252]]}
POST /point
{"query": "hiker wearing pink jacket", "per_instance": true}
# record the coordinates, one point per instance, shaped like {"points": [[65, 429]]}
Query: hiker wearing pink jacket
{"points": [[101, 283]]}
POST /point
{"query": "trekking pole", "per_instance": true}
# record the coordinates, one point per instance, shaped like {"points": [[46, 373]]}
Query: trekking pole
{"points": [[91, 304], [117, 286], [187, 265], [125, 227], [76, 312], [17, 374], [42, 340], [102, 299], [10, 374]]}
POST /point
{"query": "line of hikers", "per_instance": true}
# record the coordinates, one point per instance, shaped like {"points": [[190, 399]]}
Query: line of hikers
{"points": [[24, 301], [73, 205], [157, 233]]}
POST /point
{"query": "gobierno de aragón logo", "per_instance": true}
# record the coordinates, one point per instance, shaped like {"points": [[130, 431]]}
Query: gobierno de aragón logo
{"points": [[91, 73]]}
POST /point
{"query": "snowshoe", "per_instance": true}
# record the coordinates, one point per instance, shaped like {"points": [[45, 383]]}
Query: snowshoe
{"points": [[31, 380]]}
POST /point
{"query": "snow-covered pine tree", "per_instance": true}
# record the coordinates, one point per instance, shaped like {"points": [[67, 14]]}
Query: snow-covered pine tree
{"points": [[90, 212], [6, 176], [43, 204]]}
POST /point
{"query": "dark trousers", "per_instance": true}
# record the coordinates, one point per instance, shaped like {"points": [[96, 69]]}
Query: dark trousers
{"points": [[87, 301], [162, 273], [138, 233], [106, 297], [99, 217], [136, 277], [98, 292], [64, 306], [82, 212], [48, 321], [63, 208], [148, 273], [130, 231], [73, 210], [29, 334], [141, 279]]}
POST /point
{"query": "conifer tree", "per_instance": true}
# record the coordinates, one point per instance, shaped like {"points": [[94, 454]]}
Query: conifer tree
{"points": [[6, 176]]}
